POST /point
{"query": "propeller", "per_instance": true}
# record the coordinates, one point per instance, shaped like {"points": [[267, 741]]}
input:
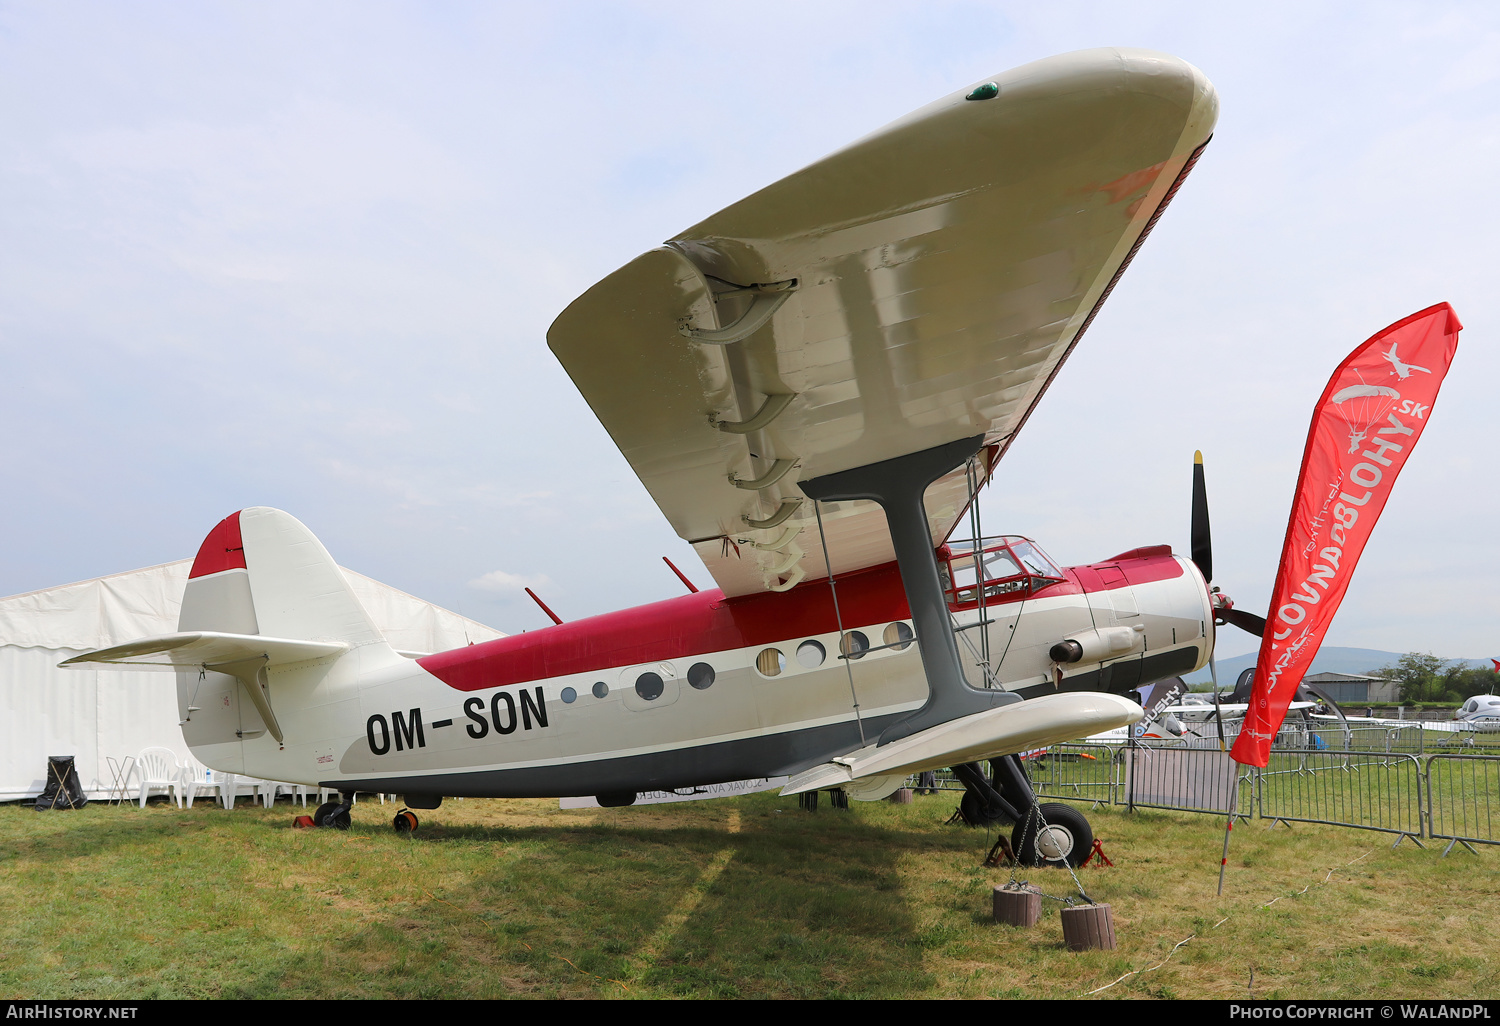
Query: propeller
{"points": [[1223, 605], [1203, 557]]}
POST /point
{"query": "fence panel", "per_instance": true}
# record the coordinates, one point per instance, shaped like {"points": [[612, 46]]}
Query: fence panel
{"points": [[1194, 779], [1368, 790], [1076, 771], [1463, 798]]}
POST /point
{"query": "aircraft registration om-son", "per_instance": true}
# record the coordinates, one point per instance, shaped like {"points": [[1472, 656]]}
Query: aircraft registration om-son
{"points": [[832, 365]]}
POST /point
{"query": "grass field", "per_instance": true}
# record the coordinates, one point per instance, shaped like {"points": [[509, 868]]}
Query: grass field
{"points": [[744, 897]]}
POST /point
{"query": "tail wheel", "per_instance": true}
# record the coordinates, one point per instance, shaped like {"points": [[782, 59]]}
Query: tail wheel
{"points": [[405, 822], [320, 817], [1064, 839]]}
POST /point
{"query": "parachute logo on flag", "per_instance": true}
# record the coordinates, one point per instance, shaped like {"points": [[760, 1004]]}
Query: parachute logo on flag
{"points": [[1361, 406]]}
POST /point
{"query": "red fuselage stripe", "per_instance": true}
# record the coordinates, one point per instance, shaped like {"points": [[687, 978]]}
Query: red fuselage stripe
{"points": [[675, 629], [705, 622]]}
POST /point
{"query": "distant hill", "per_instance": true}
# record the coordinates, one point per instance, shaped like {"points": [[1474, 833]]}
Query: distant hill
{"points": [[1328, 660]]}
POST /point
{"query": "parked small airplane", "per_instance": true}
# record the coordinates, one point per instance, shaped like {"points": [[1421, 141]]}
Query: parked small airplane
{"points": [[813, 384]]}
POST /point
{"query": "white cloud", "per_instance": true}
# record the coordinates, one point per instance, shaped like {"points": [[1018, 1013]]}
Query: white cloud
{"points": [[503, 583]]}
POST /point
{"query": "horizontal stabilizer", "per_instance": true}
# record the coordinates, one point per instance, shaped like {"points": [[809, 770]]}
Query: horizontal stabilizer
{"points": [[1018, 727], [208, 648]]}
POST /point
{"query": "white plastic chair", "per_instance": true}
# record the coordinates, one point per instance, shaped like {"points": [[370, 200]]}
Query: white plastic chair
{"points": [[198, 779], [237, 785], [157, 770]]}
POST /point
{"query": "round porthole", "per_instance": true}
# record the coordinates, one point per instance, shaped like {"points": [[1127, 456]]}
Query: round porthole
{"points": [[649, 686], [770, 662], [569, 696], [811, 654], [855, 645], [601, 689], [701, 676], [898, 636]]}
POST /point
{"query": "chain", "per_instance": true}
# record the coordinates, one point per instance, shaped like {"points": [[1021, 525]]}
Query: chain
{"points": [[1034, 815]]}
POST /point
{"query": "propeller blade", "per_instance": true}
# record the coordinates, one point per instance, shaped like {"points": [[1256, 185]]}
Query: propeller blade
{"points": [[1203, 548], [1245, 621]]}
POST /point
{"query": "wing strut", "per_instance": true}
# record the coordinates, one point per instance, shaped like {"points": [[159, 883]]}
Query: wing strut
{"points": [[838, 618], [897, 485]]}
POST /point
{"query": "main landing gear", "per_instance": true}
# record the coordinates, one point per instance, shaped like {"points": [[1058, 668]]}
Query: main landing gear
{"points": [[1051, 834], [1063, 837]]}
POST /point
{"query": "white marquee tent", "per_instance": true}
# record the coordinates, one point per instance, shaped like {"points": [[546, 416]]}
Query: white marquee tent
{"points": [[99, 715]]}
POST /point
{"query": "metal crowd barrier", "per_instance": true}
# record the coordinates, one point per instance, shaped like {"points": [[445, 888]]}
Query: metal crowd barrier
{"points": [[1079, 772], [1366, 790], [1196, 779], [1462, 793], [1366, 778]]}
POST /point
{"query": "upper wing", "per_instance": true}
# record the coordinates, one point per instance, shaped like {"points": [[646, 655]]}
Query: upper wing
{"points": [[918, 287]]}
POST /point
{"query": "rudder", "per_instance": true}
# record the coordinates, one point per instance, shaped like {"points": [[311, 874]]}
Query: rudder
{"points": [[261, 571]]}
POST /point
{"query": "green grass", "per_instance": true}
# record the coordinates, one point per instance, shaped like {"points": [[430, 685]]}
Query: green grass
{"points": [[740, 897]]}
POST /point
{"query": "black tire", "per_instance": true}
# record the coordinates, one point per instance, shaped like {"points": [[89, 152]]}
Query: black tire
{"points": [[976, 813], [405, 822], [321, 815], [339, 822], [1068, 838]]}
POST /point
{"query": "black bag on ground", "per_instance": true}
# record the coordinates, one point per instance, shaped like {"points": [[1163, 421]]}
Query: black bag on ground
{"points": [[63, 791]]}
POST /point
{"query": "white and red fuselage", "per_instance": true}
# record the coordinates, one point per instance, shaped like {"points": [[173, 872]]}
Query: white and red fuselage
{"points": [[692, 690]]}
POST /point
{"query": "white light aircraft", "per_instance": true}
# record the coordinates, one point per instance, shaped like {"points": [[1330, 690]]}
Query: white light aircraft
{"points": [[812, 384]]}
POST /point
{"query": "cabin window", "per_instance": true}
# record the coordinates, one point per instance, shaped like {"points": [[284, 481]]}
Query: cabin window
{"points": [[854, 645], [701, 676], [600, 689], [811, 654], [649, 686], [569, 696], [898, 636], [770, 662]]}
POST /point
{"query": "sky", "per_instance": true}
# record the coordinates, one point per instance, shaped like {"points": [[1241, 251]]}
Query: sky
{"points": [[305, 255]]}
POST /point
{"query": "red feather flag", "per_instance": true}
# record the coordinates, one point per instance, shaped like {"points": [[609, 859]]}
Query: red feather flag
{"points": [[1363, 429]]}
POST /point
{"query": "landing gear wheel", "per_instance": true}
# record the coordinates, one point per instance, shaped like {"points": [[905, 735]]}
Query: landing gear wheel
{"points": [[1067, 838], [326, 817], [975, 812], [405, 822]]}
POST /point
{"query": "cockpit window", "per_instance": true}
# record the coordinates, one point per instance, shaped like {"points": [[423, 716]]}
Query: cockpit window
{"points": [[1034, 558], [1012, 567]]}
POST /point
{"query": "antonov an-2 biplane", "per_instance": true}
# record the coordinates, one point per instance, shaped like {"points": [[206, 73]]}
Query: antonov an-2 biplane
{"points": [[812, 384]]}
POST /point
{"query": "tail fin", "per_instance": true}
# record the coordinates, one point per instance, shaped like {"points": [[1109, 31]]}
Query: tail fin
{"points": [[267, 613], [260, 571]]}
